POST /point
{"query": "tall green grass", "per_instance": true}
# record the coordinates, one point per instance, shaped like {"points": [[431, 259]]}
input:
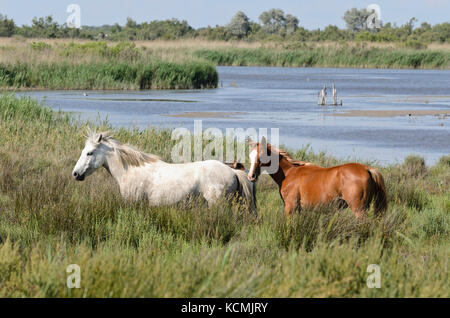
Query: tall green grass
{"points": [[341, 56], [98, 66], [126, 249], [111, 75]]}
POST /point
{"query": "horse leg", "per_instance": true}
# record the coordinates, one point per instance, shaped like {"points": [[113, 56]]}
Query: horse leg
{"points": [[358, 212], [290, 204], [211, 197], [355, 199]]}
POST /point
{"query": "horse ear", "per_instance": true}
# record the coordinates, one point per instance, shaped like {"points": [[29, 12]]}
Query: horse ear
{"points": [[263, 142], [87, 132], [251, 142], [100, 136]]}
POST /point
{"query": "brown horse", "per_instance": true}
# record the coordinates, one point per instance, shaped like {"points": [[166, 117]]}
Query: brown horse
{"points": [[304, 184]]}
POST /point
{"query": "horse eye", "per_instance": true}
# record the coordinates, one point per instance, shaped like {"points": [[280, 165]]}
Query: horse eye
{"points": [[89, 153]]}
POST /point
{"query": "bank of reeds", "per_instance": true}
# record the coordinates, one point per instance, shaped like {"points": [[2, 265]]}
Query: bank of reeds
{"points": [[183, 64], [97, 66], [337, 56]]}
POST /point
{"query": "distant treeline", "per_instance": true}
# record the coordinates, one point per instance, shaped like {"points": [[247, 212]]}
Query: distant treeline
{"points": [[272, 25]]}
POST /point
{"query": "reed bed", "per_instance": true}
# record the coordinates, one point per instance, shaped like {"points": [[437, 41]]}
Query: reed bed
{"points": [[95, 65], [62, 64], [306, 56], [125, 249]]}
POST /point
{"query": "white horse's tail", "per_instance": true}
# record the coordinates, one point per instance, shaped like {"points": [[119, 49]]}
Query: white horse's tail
{"points": [[247, 190]]}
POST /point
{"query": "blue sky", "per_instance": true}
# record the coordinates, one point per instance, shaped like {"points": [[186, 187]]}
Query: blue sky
{"points": [[199, 13]]}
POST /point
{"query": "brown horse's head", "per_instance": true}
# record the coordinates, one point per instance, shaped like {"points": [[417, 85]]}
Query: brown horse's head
{"points": [[257, 150], [268, 153]]}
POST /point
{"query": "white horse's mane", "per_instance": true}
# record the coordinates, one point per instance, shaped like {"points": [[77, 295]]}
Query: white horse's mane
{"points": [[128, 155]]}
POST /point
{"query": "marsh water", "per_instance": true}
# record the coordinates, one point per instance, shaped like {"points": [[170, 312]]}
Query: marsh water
{"points": [[286, 98]]}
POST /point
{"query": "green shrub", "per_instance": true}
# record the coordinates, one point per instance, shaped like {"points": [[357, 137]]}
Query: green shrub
{"points": [[40, 46], [415, 165], [414, 44], [444, 161]]}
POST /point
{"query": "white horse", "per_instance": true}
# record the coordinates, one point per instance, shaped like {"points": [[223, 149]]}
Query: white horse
{"points": [[142, 175]]}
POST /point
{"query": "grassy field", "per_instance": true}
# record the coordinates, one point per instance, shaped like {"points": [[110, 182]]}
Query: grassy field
{"points": [[305, 56], [309, 54], [95, 65], [49, 221], [63, 64]]}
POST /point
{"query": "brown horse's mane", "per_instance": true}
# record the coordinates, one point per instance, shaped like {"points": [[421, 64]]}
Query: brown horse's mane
{"points": [[288, 157]]}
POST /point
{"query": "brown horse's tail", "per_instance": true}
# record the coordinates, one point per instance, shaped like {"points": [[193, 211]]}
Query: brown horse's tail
{"points": [[380, 195]]}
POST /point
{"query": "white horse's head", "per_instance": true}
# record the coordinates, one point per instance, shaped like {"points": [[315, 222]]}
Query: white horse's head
{"points": [[92, 157]]}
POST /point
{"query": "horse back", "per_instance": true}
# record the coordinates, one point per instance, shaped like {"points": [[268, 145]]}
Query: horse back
{"points": [[319, 184], [354, 171], [312, 184]]}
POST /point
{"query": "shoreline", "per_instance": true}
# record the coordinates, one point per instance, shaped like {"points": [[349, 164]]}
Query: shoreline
{"points": [[391, 113], [206, 114]]}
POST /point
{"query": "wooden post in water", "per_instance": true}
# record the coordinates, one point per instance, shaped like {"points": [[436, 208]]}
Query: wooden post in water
{"points": [[334, 95], [322, 96]]}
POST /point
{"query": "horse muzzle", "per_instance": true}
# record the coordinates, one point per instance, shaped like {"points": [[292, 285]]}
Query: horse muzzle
{"points": [[78, 176]]}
